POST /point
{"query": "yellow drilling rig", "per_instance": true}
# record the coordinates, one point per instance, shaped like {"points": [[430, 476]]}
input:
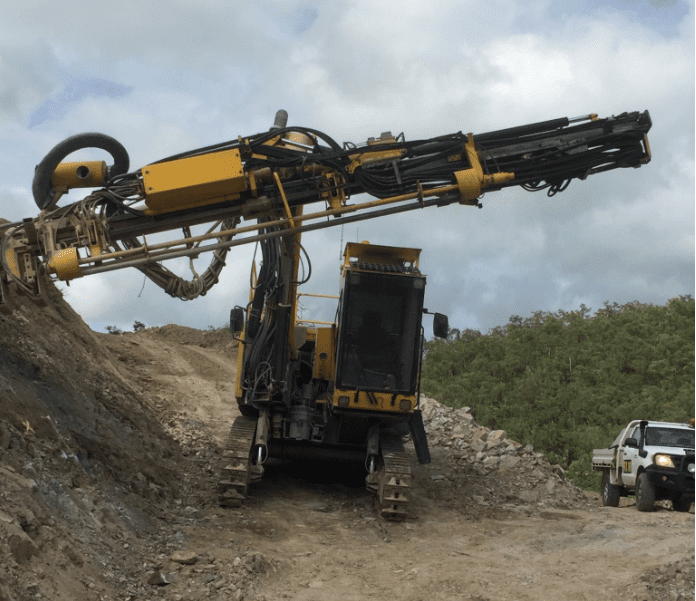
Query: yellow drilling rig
{"points": [[342, 389]]}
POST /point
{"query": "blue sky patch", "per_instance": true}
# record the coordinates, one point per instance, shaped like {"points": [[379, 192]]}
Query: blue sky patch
{"points": [[75, 89], [662, 16]]}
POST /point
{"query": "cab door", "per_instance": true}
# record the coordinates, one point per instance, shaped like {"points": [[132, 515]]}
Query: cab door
{"points": [[629, 463]]}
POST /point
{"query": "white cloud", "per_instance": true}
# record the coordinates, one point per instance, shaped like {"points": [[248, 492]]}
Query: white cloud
{"points": [[207, 72]]}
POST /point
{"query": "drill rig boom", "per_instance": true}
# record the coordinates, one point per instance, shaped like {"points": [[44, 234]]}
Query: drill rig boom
{"points": [[278, 179]]}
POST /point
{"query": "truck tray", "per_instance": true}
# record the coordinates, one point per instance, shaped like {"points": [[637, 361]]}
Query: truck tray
{"points": [[602, 458]]}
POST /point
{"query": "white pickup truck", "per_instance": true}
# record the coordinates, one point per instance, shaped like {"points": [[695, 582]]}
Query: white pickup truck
{"points": [[653, 460]]}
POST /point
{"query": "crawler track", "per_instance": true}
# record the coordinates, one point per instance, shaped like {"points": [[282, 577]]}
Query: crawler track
{"points": [[237, 470], [394, 478]]}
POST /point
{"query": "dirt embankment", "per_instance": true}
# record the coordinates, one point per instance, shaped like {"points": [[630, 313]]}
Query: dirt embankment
{"points": [[109, 452]]}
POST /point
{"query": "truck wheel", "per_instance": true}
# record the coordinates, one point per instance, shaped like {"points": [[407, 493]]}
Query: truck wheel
{"points": [[611, 494], [682, 504], [645, 493]]}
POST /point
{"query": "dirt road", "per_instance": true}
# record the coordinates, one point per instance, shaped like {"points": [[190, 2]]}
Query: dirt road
{"points": [[318, 537]]}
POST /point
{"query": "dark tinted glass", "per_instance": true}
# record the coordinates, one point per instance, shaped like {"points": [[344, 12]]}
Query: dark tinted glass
{"points": [[669, 437], [380, 332]]}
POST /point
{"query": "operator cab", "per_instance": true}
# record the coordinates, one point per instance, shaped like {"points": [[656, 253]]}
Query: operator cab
{"points": [[380, 314]]}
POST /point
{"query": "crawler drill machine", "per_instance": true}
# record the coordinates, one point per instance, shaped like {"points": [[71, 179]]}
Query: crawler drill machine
{"points": [[338, 390]]}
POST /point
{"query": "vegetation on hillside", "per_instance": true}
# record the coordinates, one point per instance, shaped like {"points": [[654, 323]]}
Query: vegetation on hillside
{"points": [[567, 382]]}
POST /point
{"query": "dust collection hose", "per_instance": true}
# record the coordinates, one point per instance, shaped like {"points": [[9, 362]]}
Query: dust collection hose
{"points": [[41, 186]]}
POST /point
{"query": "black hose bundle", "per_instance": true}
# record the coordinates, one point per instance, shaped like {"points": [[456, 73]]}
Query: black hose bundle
{"points": [[41, 186]]}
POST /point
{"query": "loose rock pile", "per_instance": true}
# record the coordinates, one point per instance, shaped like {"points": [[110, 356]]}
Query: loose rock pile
{"points": [[207, 576], [489, 469], [673, 582]]}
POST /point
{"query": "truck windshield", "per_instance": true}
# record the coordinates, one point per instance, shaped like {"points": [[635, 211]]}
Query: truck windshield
{"points": [[669, 437]]}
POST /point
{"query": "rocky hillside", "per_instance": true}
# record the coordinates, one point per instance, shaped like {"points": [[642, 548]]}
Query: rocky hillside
{"points": [[85, 466]]}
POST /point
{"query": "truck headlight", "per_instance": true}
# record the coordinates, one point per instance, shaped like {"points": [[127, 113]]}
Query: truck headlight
{"points": [[664, 461], [690, 467]]}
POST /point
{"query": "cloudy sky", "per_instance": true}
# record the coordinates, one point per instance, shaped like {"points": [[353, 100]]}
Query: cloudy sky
{"points": [[165, 77]]}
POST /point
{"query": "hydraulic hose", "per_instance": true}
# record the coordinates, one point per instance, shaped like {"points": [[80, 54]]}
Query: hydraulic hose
{"points": [[42, 187]]}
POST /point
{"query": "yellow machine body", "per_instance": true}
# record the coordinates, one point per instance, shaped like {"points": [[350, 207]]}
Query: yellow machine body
{"points": [[85, 174], [194, 181], [364, 253], [323, 342], [324, 352], [64, 263], [378, 401]]}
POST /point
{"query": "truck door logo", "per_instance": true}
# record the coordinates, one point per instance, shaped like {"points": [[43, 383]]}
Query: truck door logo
{"points": [[627, 466]]}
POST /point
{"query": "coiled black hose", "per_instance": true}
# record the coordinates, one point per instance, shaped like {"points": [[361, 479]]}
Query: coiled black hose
{"points": [[41, 186]]}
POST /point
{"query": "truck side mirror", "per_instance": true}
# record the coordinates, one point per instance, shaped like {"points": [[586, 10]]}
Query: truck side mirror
{"points": [[236, 320], [631, 442], [440, 325]]}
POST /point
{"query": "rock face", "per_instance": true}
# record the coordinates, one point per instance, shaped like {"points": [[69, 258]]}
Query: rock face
{"points": [[86, 468], [103, 464], [490, 468]]}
